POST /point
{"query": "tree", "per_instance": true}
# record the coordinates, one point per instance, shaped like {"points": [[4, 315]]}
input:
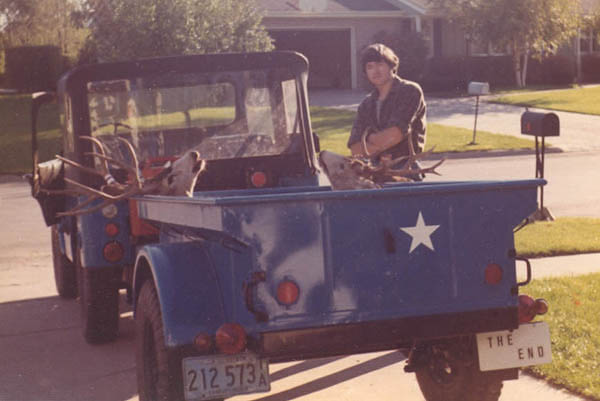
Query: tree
{"points": [[130, 29], [525, 27], [41, 22], [411, 49]]}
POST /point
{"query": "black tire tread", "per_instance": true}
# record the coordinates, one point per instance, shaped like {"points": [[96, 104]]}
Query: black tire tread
{"points": [[158, 375], [65, 274], [466, 383]]}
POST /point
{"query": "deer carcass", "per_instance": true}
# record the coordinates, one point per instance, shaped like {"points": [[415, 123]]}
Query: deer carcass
{"points": [[176, 178], [360, 172]]}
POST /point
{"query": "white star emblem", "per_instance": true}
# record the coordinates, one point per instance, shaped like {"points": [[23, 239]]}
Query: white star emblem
{"points": [[420, 233]]}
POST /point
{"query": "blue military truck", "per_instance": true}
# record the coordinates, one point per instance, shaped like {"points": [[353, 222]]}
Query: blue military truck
{"points": [[262, 262]]}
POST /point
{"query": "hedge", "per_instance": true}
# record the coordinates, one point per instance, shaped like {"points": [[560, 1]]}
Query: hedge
{"points": [[590, 68], [32, 68], [454, 73]]}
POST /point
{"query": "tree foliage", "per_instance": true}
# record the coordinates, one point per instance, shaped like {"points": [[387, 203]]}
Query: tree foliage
{"points": [[524, 27], [40, 22], [411, 48], [131, 29]]}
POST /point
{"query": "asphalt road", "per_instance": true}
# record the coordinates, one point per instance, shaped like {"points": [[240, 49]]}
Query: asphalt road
{"points": [[44, 356]]}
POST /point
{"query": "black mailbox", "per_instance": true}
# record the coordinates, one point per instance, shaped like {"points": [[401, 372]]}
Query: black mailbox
{"points": [[540, 124]]}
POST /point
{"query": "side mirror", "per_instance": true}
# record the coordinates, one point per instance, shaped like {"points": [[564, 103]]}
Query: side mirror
{"points": [[37, 100]]}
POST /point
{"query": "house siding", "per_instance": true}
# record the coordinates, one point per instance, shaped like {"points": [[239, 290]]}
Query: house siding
{"points": [[362, 31]]}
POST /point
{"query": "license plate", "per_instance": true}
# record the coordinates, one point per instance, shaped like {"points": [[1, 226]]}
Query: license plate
{"points": [[526, 346], [221, 376]]}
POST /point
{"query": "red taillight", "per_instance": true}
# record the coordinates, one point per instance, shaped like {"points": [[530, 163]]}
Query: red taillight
{"points": [[526, 309], [231, 338], [541, 306], [493, 274], [258, 179], [113, 252], [203, 342], [287, 292], [111, 229]]}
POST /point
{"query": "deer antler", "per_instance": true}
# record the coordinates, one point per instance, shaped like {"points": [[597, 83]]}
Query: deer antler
{"points": [[384, 171], [177, 178]]}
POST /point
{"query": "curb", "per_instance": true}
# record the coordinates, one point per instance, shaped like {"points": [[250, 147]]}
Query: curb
{"points": [[490, 153]]}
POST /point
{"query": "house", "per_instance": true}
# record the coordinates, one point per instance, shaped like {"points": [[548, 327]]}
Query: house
{"points": [[332, 33]]}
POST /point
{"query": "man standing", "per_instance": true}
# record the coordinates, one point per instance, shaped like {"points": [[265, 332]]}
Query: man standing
{"points": [[395, 109]]}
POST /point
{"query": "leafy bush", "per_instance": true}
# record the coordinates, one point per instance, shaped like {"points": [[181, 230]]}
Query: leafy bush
{"points": [[555, 70], [445, 74], [411, 49], [454, 73], [590, 68], [33, 68]]}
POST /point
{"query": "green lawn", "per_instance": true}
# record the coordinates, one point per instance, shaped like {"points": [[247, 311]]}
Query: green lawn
{"points": [[15, 133], [574, 320], [578, 100], [564, 236], [333, 127]]}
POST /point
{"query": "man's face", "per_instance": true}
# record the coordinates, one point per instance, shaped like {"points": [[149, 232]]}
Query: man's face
{"points": [[378, 73]]}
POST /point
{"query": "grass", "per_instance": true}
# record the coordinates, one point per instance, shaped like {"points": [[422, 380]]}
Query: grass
{"points": [[512, 90], [564, 236], [15, 129], [574, 319], [578, 100], [333, 127]]}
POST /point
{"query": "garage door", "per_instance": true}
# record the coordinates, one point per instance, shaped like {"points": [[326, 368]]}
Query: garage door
{"points": [[328, 53]]}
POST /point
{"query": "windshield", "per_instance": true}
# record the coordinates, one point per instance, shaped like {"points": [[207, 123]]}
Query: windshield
{"points": [[223, 116]]}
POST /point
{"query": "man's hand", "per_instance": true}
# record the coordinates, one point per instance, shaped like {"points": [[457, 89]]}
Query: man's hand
{"points": [[378, 142]]}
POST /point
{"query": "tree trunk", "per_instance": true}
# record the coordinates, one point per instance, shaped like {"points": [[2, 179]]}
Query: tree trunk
{"points": [[524, 69], [517, 68]]}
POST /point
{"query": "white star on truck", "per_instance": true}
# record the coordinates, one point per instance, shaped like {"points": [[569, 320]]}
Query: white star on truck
{"points": [[420, 233]]}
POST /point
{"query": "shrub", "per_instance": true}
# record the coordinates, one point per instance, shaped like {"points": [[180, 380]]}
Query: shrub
{"points": [[553, 70], [411, 49], [590, 68], [33, 68], [454, 73], [445, 74]]}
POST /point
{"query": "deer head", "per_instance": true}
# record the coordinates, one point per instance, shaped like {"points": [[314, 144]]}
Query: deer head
{"points": [[177, 178], [353, 172]]}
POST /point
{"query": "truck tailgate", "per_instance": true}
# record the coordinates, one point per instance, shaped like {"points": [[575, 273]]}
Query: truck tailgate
{"points": [[401, 251]]}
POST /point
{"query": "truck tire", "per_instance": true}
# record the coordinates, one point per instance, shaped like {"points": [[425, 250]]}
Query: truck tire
{"points": [[159, 371], [159, 377], [99, 297], [65, 274], [448, 376]]}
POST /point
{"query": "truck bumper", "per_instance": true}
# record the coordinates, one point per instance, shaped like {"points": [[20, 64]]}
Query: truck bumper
{"points": [[281, 346]]}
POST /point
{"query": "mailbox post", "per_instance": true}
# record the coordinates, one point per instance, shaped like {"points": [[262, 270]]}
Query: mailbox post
{"points": [[477, 89], [540, 125]]}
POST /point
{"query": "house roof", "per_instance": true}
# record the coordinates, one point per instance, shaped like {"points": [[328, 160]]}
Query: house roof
{"points": [[333, 8]]}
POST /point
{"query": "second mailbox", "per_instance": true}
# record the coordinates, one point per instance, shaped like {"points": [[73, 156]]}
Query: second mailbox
{"points": [[540, 124]]}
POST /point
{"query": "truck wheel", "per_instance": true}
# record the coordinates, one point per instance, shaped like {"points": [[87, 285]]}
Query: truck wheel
{"points": [[99, 297], [65, 275], [158, 373], [448, 376]]}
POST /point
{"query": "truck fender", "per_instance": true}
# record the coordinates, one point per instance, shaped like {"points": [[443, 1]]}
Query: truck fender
{"points": [[186, 282]]}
